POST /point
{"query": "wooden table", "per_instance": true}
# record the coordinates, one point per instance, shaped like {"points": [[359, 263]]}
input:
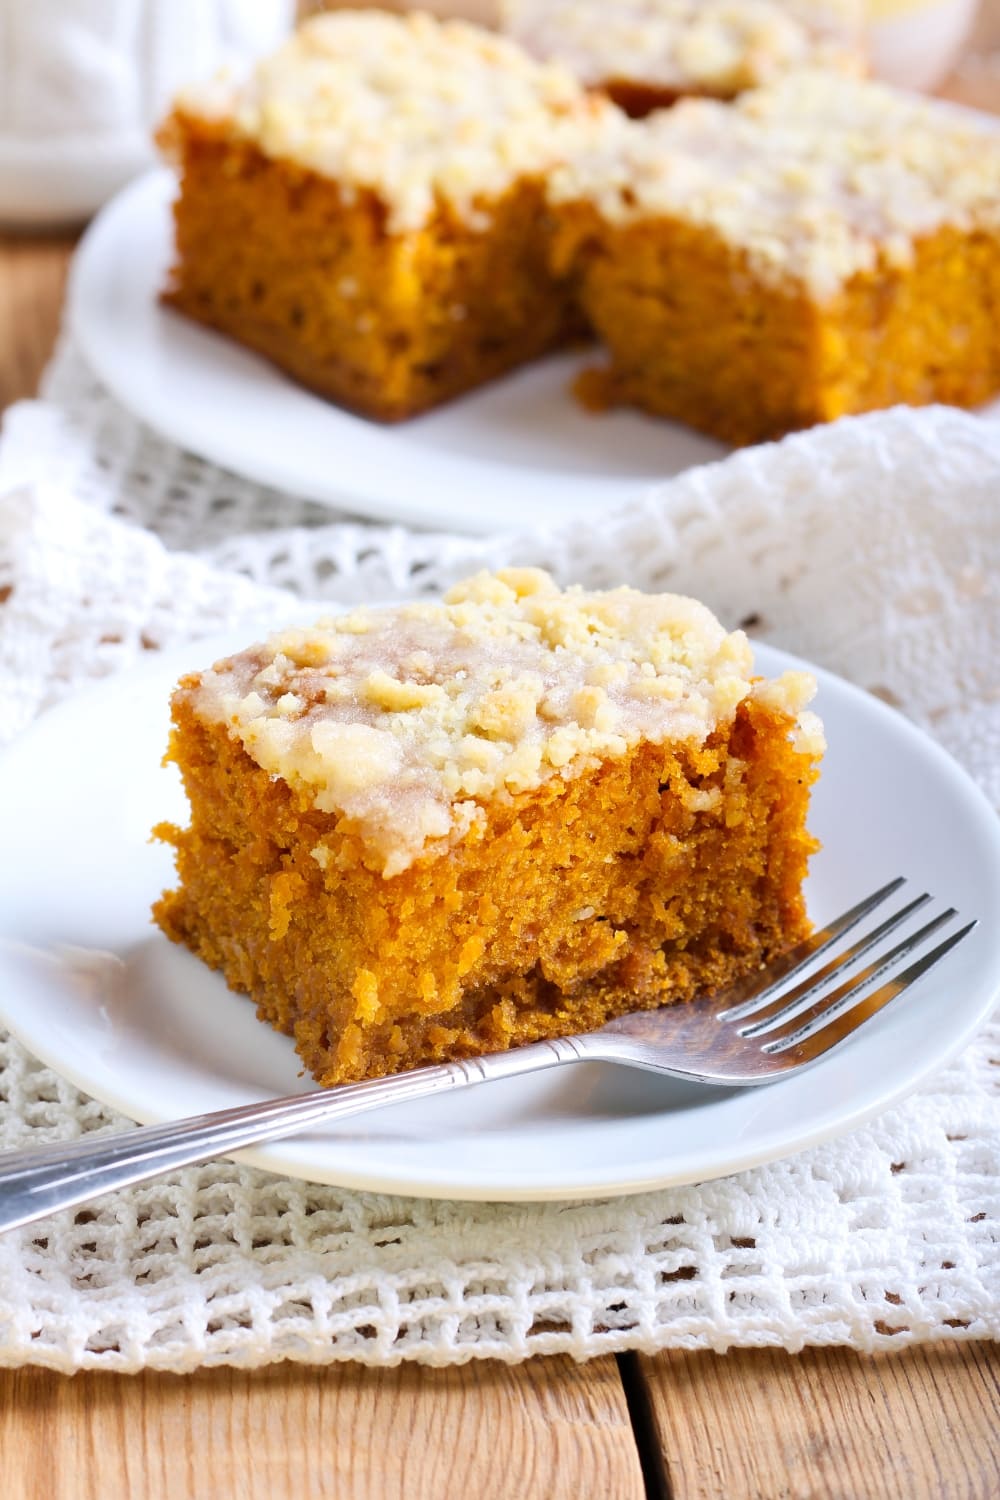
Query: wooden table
{"points": [[826, 1424]]}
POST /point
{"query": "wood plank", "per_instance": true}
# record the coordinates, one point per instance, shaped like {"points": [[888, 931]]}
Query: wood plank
{"points": [[545, 1430], [828, 1424], [32, 279]]}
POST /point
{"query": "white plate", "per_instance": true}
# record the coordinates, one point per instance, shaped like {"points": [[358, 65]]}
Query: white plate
{"points": [[145, 1027], [519, 452]]}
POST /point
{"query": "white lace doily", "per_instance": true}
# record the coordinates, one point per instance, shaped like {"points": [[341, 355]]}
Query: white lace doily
{"points": [[871, 546]]}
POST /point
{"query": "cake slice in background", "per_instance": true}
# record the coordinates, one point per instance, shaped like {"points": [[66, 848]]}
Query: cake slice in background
{"points": [[821, 247], [646, 54], [368, 208]]}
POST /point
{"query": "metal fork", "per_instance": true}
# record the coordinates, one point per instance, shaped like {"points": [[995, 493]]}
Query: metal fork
{"points": [[754, 1033]]}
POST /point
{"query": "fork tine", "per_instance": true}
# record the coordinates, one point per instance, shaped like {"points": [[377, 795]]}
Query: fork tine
{"points": [[827, 1006], [790, 1000], [849, 1019], [748, 997]]}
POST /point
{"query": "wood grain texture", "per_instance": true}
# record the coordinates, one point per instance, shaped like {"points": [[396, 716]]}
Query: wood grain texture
{"points": [[829, 1424], [32, 279], [551, 1430]]}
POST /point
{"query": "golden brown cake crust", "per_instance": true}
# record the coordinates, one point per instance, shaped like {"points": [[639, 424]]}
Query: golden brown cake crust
{"points": [[640, 99]]}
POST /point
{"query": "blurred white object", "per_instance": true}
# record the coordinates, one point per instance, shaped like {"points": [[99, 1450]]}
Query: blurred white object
{"points": [[84, 82], [916, 43]]}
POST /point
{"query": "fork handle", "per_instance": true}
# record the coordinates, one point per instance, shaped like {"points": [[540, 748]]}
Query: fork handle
{"points": [[41, 1180]]}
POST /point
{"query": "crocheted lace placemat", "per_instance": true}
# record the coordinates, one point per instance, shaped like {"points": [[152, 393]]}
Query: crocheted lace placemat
{"points": [[871, 546]]}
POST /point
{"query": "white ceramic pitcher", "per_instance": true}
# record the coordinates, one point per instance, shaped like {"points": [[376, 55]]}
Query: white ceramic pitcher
{"points": [[84, 82]]}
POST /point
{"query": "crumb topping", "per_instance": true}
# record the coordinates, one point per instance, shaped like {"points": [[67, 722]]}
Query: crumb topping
{"points": [[408, 721], [716, 46], [816, 178], [414, 109]]}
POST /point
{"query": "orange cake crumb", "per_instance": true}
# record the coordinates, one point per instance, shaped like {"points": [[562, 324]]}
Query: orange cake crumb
{"points": [[368, 208], [821, 247], [445, 828]]}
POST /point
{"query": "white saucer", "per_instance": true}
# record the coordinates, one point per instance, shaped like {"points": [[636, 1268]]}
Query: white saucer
{"points": [[93, 989], [518, 453]]}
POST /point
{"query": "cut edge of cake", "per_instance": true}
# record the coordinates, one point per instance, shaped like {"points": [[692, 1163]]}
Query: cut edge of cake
{"points": [[581, 880]]}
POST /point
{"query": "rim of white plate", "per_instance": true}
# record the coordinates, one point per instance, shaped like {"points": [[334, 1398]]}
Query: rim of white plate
{"points": [[576, 1179]]}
